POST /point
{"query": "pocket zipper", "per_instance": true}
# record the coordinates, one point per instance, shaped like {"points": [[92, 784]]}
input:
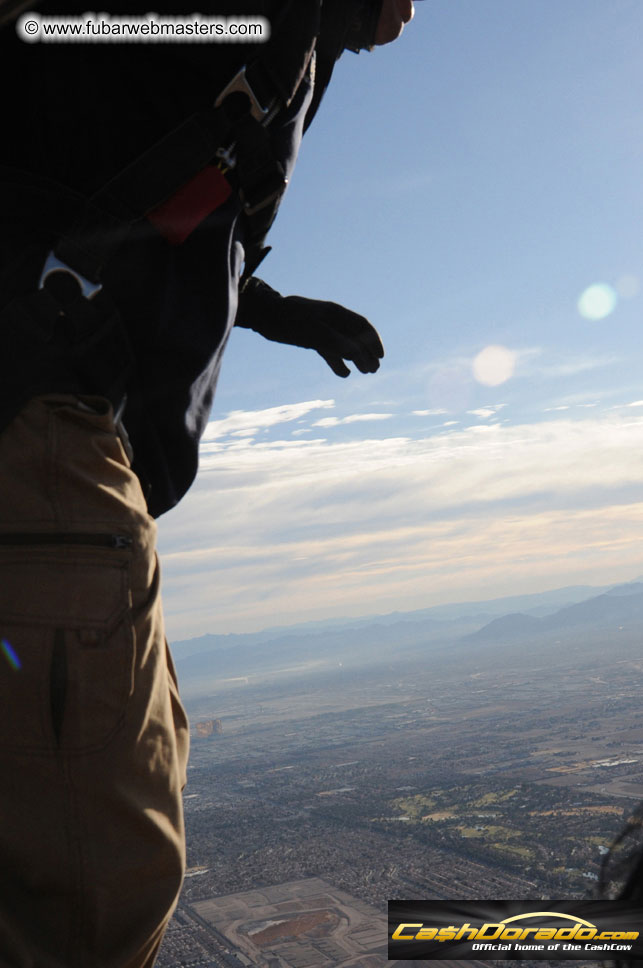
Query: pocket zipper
{"points": [[115, 541]]}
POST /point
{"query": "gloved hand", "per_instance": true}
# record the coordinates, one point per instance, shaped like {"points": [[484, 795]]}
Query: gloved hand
{"points": [[336, 333]]}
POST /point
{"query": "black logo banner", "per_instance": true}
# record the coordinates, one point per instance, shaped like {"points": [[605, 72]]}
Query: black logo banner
{"points": [[515, 930]]}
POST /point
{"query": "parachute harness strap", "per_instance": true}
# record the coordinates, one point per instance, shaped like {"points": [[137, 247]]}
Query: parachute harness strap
{"points": [[167, 183]]}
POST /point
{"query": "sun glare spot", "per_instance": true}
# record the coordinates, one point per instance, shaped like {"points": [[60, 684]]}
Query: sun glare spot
{"points": [[494, 365], [597, 301]]}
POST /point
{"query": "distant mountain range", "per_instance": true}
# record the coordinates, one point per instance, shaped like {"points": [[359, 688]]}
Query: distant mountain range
{"points": [[618, 606], [210, 661]]}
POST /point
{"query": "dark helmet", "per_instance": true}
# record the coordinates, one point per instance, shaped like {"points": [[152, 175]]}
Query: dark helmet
{"points": [[362, 24]]}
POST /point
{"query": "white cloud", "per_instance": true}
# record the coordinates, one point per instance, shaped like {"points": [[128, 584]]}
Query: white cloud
{"points": [[582, 399], [399, 520], [536, 360], [248, 422], [352, 418], [571, 367], [483, 413]]}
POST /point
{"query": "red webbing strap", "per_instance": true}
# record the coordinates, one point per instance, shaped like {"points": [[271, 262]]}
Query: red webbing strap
{"points": [[178, 217]]}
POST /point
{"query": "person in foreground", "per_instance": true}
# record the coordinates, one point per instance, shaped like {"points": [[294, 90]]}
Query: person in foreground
{"points": [[138, 183]]}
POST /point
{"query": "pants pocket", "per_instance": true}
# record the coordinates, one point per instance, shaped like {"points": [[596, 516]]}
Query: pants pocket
{"points": [[67, 647]]}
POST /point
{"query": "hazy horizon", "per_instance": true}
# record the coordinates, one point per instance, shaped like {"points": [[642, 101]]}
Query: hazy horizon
{"points": [[552, 598]]}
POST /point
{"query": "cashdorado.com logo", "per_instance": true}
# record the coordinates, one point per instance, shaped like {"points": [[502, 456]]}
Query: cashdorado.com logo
{"points": [[514, 930]]}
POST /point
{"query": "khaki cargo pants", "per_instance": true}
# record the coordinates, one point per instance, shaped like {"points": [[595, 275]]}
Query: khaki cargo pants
{"points": [[93, 737]]}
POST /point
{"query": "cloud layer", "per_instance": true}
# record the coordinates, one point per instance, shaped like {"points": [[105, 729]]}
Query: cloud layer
{"points": [[283, 530]]}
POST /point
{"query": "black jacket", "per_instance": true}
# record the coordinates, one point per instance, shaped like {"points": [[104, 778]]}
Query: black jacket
{"points": [[79, 114]]}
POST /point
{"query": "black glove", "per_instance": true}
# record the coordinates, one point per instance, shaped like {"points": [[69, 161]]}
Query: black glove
{"points": [[336, 333]]}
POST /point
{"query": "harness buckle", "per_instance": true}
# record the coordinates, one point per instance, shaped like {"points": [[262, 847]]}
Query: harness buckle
{"points": [[227, 157], [267, 187], [241, 83], [54, 264]]}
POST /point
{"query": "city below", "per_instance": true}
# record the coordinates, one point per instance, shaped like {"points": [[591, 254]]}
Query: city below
{"points": [[474, 757]]}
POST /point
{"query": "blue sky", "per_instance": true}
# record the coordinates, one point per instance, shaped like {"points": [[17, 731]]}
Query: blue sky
{"points": [[462, 189]]}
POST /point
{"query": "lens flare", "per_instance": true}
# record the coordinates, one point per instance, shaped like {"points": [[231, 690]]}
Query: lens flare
{"points": [[597, 301], [494, 365], [10, 655]]}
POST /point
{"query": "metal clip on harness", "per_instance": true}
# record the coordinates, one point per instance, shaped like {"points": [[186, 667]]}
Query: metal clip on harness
{"points": [[241, 84], [264, 183], [53, 264]]}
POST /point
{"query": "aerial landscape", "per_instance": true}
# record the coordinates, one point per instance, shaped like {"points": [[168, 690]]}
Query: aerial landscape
{"points": [[372, 472], [489, 750], [385, 741]]}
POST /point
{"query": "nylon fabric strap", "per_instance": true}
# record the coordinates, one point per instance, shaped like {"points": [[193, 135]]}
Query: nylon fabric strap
{"points": [[170, 163]]}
